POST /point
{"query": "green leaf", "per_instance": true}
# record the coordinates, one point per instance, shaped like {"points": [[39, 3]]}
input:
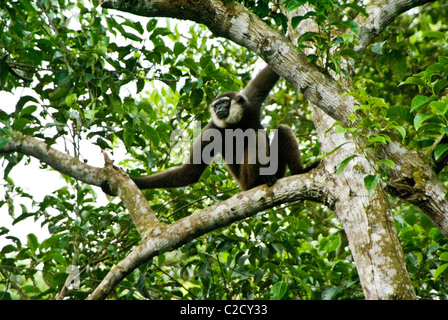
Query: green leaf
{"points": [[128, 136], [28, 111], [103, 144], [62, 78], [436, 68], [196, 97], [439, 107], [440, 85], [23, 101], [141, 286], [60, 92], [20, 124], [32, 242], [413, 80], [440, 150], [378, 139], [439, 270], [331, 293], [443, 59], [418, 101], [190, 64], [8, 249], [55, 256], [278, 290], [136, 25], [334, 245], [370, 182], [90, 114], [401, 130], [420, 118], [398, 63], [350, 53], [70, 99], [23, 216], [352, 25], [444, 256], [294, 4], [178, 48], [388, 163], [307, 36], [344, 163], [3, 141], [297, 19], [151, 25], [334, 150], [434, 34], [378, 47], [280, 20], [152, 134]]}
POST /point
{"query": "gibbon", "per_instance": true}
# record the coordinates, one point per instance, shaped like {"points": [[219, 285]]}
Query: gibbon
{"points": [[235, 131]]}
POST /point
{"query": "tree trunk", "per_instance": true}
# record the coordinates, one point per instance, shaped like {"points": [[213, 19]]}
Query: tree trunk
{"points": [[366, 219]]}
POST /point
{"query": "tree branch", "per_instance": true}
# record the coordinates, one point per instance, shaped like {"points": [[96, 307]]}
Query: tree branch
{"points": [[311, 186], [424, 189], [59, 161], [380, 15], [141, 214], [159, 237], [235, 22]]}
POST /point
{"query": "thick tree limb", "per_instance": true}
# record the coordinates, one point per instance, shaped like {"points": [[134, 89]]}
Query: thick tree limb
{"points": [[233, 21], [411, 173], [380, 15], [159, 237], [310, 186], [59, 161], [141, 214], [366, 218]]}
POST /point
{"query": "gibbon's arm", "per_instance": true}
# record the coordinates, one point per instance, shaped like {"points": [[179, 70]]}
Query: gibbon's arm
{"points": [[259, 87], [172, 178], [183, 175]]}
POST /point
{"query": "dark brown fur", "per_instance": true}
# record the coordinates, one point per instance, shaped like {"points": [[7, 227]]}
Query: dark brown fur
{"points": [[246, 174]]}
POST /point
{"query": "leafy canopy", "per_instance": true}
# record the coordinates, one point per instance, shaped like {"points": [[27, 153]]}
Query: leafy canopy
{"points": [[84, 75]]}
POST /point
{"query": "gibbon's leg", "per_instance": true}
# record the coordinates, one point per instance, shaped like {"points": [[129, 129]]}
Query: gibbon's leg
{"points": [[255, 168], [288, 152], [249, 172]]}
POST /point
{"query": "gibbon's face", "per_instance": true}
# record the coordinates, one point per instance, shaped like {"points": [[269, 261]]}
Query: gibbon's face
{"points": [[222, 107], [227, 109]]}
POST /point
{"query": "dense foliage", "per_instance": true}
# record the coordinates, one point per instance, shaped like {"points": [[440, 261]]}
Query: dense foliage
{"points": [[116, 81]]}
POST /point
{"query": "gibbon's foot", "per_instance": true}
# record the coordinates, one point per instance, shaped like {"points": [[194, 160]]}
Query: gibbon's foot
{"points": [[269, 180], [105, 186], [311, 166]]}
